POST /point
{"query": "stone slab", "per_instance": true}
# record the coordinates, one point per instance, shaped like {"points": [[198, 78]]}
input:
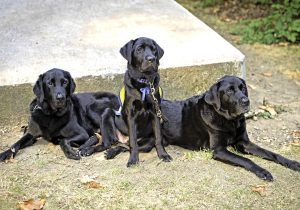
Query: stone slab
{"points": [[84, 37]]}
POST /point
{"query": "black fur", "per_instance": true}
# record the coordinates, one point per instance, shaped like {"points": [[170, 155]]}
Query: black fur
{"points": [[62, 117], [215, 120], [138, 118]]}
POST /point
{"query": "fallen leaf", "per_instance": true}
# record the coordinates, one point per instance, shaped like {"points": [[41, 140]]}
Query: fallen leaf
{"points": [[294, 74], [267, 74], [94, 184], [31, 204], [260, 189], [253, 87], [295, 143], [269, 109], [295, 134]]}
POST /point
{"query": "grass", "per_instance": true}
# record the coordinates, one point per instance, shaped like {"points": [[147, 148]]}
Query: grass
{"points": [[194, 183]]}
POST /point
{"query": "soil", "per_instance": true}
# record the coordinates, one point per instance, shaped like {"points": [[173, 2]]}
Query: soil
{"points": [[192, 180], [235, 10]]}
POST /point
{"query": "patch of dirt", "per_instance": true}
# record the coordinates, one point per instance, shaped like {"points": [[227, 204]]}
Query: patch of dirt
{"points": [[230, 10]]}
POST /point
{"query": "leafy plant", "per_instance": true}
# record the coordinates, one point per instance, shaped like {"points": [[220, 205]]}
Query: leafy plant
{"points": [[282, 25]]}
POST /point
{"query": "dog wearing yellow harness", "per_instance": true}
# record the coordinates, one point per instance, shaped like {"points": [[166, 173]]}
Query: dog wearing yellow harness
{"points": [[140, 115]]}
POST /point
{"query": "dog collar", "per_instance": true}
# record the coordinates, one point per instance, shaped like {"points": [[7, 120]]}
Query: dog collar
{"points": [[37, 107], [144, 91], [144, 81]]}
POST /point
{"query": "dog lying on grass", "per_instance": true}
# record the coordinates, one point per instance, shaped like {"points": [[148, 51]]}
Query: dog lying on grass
{"points": [[215, 120], [62, 117]]}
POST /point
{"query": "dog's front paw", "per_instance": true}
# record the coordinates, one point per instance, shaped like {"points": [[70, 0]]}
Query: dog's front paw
{"points": [[69, 152], [110, 154], [87, 151], [73, 155], [264, 174], [6, 155], [165, 157], [294, 165], [90, 142], [132, 161]]}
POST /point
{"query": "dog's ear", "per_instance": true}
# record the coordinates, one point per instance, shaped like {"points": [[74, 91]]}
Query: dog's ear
{"points": [[212, 96], [160, 51], [244, 82], [38, 89], [126, 51], [72, 84]]}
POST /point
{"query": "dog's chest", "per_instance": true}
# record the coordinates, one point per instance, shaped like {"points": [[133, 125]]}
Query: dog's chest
{"points": [[50, 125], [143, 107], [234, 130]]}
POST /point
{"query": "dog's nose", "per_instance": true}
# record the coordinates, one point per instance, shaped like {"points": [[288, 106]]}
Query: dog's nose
{"points": [[245, 101], [150, 58], [59, 97]]}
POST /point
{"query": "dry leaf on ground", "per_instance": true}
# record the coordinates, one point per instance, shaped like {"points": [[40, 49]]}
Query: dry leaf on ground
{"points": [[31, 204], [253, 87], [267, 74], [269, 109], [90, 182], [295, 143], [260, 189], [94, 184]]}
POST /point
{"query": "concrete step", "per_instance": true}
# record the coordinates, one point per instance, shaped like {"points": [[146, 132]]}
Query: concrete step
{"points": [[84, 37]]}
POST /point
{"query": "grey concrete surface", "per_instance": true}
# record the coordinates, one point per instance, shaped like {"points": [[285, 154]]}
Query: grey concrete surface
{"points": [[84, 37]]}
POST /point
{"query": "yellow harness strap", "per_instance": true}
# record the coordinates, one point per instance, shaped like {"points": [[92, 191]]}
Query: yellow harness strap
{"points": [[122, 98]]}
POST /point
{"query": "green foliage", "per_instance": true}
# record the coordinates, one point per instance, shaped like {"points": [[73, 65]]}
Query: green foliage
{"points": [[282, 25], [280, 109], [265, 115]]}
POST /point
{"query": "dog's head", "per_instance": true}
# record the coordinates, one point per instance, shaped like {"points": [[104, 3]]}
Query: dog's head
{"points": [[229, 97], [143, 54], [54, 87]]}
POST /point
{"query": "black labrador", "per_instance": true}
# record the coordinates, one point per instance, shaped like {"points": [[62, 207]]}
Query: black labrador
{"points": [[62, 117], [140, 115], [215, 120]]}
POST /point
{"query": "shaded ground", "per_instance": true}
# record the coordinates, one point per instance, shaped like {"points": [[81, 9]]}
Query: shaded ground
{"points": [[192, 180]]}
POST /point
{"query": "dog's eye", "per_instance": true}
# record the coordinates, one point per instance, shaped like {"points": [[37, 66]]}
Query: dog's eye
{"points": [[50, 83], [229, 91], [242, 88], [65, 82], [139, 49]]}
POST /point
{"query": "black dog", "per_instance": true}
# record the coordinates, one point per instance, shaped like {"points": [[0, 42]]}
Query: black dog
{"points": [[62, 117], [140, 99], [215, 120], [140, 113]]}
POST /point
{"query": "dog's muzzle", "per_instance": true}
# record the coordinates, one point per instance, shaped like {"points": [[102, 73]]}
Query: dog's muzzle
{"points": [[59, 101]]}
